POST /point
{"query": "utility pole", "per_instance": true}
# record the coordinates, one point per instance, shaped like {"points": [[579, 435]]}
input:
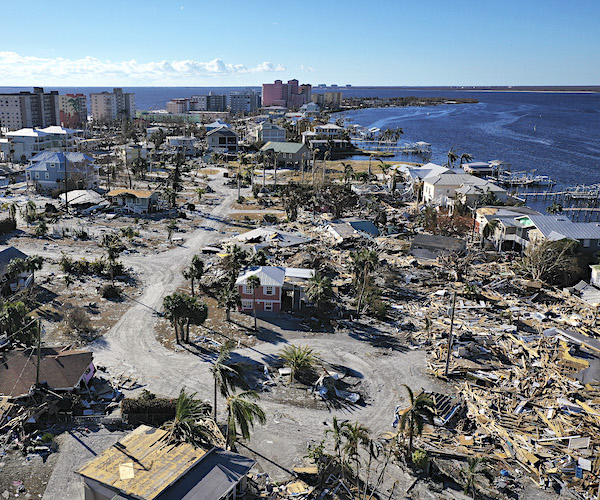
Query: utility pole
{"points": [[66, 187], [450, 338], [39, 352]]}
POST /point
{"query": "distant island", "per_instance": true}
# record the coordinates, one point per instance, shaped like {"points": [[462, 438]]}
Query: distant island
{"points": [[386, 102]]}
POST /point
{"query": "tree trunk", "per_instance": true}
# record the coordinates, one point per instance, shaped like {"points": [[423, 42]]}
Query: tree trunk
{"points": [[192, 283], [215, 403], [187, 332], [254, 308], [228, 314]]}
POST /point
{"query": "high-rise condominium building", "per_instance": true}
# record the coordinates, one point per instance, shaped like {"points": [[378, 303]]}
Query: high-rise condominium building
{"points": [[108, 106], [288, 95], [245, 101], [72, 110], [29, 109]]}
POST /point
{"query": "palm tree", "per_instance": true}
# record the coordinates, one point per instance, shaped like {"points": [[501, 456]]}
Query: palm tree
{"points": [[489, 230], [34, 263], [363, 262], [348, 173], [355, 434], [336, 429], [233, 262], [229, 298], [385, 168], [476, 466], [298, 358], [465, 157], [224, 374], [242, 160], [242, 411], [194, 272], [253, 282], [186, 427], [414, 418], [452, 157], [29, 212], [174, 311], [319, 291]]}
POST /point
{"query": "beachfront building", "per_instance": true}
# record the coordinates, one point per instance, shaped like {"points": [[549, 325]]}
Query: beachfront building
{"points": [[48, 170], [222, 139], [286, 95], [175, 106], [107, 106], [287, 154], [268, 131], [22, 145], [449, 188], [72, 109], [331, 100], [29, 109], [245, 101]]}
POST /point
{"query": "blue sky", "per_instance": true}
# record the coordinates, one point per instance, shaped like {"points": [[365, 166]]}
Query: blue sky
{"points": [[394, 42]]}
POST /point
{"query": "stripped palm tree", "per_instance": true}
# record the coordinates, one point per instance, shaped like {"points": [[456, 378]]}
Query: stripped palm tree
{"points": [[414, 418], [489, 230], [348, 172], [186, 426], [242, 411], [229, 298], [319, 291], [466, 158], [355, 435], [476, 466]]}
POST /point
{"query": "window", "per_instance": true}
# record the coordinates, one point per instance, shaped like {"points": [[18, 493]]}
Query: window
{"points": [[269, 290], [246, 304], [37, 175], [47, 175], [248, 289], [586, 243], [268, 306]]}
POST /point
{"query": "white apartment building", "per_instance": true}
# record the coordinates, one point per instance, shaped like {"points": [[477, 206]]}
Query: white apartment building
{"points": [[21, 145], [108, 106]]}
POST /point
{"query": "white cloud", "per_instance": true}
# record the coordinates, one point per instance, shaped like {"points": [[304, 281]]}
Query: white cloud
{"points": [[310, 69], [22, 70]]}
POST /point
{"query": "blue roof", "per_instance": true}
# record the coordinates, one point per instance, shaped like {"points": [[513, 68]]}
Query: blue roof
{"points": [[59, 157]]}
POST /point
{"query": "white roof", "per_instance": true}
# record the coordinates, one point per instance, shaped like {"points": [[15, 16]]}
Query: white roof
{"points": [[299, 272], [329, 126], [55, 129], [27, 132], [82, 196], [269, 276]]}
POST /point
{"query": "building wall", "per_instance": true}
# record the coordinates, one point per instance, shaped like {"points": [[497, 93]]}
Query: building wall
{"points": [[72, 110], [264, 302]]}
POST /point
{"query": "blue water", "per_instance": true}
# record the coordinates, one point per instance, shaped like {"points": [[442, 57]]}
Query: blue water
{"points": [[564, 145]]}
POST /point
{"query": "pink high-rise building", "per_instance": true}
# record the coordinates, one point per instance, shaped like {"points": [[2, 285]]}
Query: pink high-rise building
{"points": [[288, 95]]}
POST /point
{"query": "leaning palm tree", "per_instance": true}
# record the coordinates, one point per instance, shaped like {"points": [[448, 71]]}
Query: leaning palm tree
{"points": [[452, 157], [414, 418], [186, 426], [298, 358], [253, 282], [242, 411], [33, 263], [348, 173], [476, 466], [465, 157], [225, 374]]}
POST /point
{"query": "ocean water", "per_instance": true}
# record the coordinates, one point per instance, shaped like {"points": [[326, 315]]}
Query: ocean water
{"points": [[556, 134]]}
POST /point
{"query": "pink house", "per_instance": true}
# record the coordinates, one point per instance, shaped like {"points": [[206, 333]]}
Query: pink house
{"points": [[275, 283]]}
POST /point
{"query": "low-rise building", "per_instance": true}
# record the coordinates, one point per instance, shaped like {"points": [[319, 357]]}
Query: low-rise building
{"points": [[448, 188], [21, 145], [144, 465], [15, 283], [183, 143], [136, 201], [268, 131], [48, 171], [62, 370], [289, 154], [245, 101], [222, 139], [130, 153], [275, 284]]}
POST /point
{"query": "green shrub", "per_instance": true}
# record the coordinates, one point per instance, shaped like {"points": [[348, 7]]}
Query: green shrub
{"points": [[420, 459], [110, 292], [7, 225]]}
